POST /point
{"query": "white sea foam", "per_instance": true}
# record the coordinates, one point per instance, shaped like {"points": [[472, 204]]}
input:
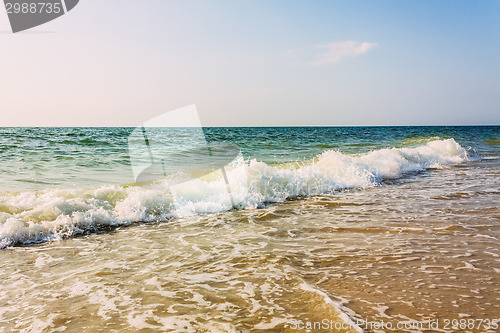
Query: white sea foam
{"points": [[57, 213]]}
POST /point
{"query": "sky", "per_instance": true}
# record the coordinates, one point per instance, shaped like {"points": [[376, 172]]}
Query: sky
{"points": [[256, 63]]}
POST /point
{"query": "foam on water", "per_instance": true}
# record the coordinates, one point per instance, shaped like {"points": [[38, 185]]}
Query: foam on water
{"points": [[38, 216]]}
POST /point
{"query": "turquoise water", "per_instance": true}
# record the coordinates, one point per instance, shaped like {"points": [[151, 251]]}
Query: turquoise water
{"points": [[61, 182], [39, 158], [348, 224]]}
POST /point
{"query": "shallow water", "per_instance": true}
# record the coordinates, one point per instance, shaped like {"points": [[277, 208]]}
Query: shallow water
{"points": [[421, 246]]}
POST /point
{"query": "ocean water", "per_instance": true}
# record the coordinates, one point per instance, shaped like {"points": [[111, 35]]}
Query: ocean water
{"points": [[349, 224]]}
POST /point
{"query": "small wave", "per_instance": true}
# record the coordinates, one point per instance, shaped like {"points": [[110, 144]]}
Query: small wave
{"points": [[492, 140], [39, 216], [326, 146], [419, 140], [340, 309], [92, 142]]}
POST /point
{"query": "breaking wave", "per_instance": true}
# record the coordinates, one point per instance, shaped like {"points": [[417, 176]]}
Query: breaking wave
{"points": [[52, 214]]}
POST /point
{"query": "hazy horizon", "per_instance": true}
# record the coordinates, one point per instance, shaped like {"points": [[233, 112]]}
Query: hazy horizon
{"points": [[277, 126]]}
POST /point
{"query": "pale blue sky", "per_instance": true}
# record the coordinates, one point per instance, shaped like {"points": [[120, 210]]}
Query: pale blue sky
{"points": [[256, 63]]}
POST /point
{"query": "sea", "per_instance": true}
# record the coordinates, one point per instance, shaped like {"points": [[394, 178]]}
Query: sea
{"points": [[302, 229]]}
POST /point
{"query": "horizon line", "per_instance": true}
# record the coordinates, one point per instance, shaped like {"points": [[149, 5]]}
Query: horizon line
{"points": [[271, 126]]}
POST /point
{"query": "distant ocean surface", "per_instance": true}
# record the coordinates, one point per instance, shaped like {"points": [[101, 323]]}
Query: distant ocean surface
{"points": [[351, 224]]}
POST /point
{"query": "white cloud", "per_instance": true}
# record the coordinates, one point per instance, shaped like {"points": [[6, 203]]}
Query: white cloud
{"points": [[337, 50]]}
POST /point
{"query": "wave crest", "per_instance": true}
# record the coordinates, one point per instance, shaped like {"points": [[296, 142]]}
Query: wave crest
{"points": [[32, 217]]}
